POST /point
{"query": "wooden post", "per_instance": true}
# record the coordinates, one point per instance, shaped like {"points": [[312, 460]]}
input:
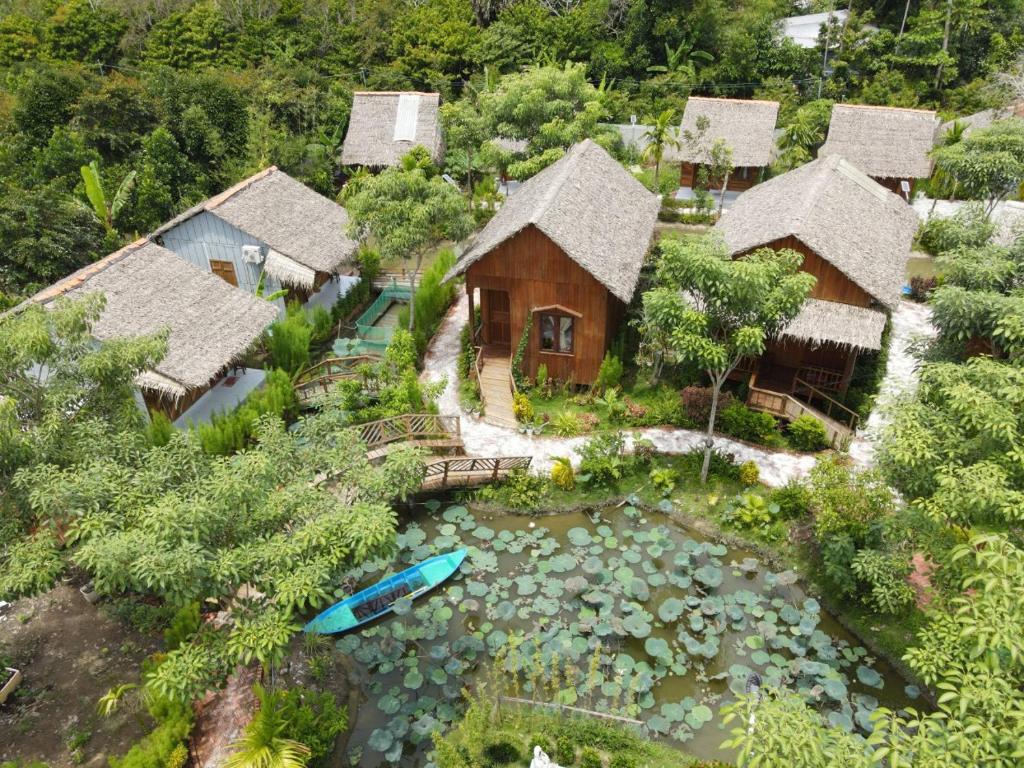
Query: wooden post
{"points": [[472, 312], [444, 480], [494, 474]]}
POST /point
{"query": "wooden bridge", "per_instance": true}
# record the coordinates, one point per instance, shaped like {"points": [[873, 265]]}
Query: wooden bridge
{"points": [[440, 435], [493, 372], [317, 379], [806, 399]]}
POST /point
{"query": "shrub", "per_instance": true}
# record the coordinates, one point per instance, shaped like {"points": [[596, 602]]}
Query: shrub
{"points": [[155, 749], [590, 758], [609, 375], [636, 413], [565, 750], [313, 718], [543, 384], [722, 465], [467, 354], [322, 324], [601, 459], [664, 479], [184, 624], [750, 510], [588, 422], [749, 473], [807, 433], [159, 429], [230, 432], [520, 490], [667, 408], [793, 500], [32, 565], [178, 757], [567, 424], [563, 475], [542, 741], [502, 753], [622, 760], [741, 422], [968, 227], [921, 287], [288, 340], [885, 575], [433, 296], [644, 449], [522, 408], [697, 404]]}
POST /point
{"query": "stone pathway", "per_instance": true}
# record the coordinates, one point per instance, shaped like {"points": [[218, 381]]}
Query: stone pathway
{"points": [[777, 467]]}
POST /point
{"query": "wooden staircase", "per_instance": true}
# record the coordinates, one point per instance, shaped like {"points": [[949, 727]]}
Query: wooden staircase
{"points": [[805, 399], [494, 373]]}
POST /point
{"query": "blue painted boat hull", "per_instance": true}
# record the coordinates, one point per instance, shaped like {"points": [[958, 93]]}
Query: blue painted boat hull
{"points": [[378, 600]]}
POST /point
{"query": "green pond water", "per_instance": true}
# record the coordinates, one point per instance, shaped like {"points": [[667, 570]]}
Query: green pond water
{"points": [[680, 621]]}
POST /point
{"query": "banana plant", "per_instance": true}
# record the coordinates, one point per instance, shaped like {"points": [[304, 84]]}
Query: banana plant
{"points": [[105, 211]]}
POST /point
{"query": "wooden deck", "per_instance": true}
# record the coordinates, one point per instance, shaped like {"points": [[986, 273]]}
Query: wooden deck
{"points": [[494, 373]]}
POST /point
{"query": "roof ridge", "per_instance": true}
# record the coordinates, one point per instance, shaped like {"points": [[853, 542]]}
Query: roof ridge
{"points": [[819, 180], [882, 107], [214, 202], [727, 98], [544, 202]]}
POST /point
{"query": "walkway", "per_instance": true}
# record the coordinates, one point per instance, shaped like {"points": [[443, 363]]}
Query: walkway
{"points": [[496, 388], [777, 467]]}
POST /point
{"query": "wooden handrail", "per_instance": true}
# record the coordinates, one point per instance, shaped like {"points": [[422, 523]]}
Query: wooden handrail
{"points": [[512, 375], [474, 465], [851, 416], [817, 376], [343, 364], [410, 426]]}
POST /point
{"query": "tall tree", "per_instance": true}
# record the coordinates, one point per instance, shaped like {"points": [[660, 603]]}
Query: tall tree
{"points": [[407, 210], [712, 311], [988, 164], [660, 134]]}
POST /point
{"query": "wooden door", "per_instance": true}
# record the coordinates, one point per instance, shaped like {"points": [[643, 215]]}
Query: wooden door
{"points": [[499, 326], [225, 270]]}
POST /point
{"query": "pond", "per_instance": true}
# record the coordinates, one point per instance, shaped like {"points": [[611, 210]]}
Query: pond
{"points": [[625, 610]]}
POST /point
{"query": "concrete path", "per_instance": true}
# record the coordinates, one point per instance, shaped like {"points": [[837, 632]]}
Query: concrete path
{"points": [[777, 467]]}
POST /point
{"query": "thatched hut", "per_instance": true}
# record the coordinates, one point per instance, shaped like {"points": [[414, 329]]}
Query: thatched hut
{"points": [[209, 323], [890, 144], [268, 225], [563, 253], [983, 119], [855, 237], [385, 125], [746, 126]]}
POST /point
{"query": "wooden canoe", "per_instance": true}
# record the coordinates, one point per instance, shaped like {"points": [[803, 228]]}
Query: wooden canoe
{"points": [[373, 602]]}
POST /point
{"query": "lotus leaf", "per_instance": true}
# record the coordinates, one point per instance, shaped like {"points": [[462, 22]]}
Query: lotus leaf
{"points": [[697, 716], [632, 556], [671, 609], [432, 505], [840, 720], [636, 626], [579, 537], [761, 658], [790, 615], [658, 724], [575, 585], [454, 514], [835, 688], [696, 622], [525, 585], [592, 565], [638, 590], [380, 740], [389, 703], [868, 676], [754, 642], [912, 691], [484, 533], [624, 575], [658, 648], [708, 575]]}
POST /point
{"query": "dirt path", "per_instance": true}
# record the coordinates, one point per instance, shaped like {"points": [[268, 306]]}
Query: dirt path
{"points": [[777, 467], [70, 654]]}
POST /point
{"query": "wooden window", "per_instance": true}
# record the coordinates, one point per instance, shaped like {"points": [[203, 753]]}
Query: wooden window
{"points": [[225, 270], [557, 333]]}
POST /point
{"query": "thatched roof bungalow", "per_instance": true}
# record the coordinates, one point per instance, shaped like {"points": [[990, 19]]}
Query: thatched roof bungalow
{"points": [[563, 253], [385, 125], [270, 225], [889, 144], [855, 237], [747, 126], [983, 119], [148, 289]]}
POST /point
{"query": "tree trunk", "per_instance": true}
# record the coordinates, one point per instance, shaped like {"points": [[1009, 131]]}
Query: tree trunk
{"points": [[657, 171], [716, 388], [903, 25], [945, 42], [412, 290], [721, 197]]}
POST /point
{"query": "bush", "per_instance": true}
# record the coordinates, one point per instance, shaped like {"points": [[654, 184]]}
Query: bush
{"points": [[664, 479], [433, 297], [567, 424], [601, 460], [921, 287], [156, 748], [644, 449], [230, 432], [522, 408], [807, 433], [502, 753], [312, 718], [750, 510], [288, 340], [885, 575], [590, 758], [322, 325], [667, 409], [159, 429], [622, 760], [520, 490], [184, 624], [697, 404], [722, 465], [542, 382], [749, 473], [793, 500], [565, 750], [741, 422], [542, 741], [968, 227], [609, 375], [563, 475]]}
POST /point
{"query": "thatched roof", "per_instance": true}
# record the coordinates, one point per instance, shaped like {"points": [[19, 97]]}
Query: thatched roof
{"points": [[590, 206], [851, 221], [148, 289], [983, 119], [829, 322], [288, 216], [884, 142], [747, 126], [385, 125]]}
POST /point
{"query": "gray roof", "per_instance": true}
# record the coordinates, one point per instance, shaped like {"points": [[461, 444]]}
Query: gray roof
{"points": [[591, 207], [884, 142], [149, 289], [283, 213], [1009, 220], [851, 221], [822, 322], [747, 126], [370, 139], [983, 119]]}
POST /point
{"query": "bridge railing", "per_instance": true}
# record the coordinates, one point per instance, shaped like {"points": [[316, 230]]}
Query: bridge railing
{"points": [[466, 469], [408, 427]]}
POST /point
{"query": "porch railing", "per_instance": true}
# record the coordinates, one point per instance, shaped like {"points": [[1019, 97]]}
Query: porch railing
{"points": [[829, 406]]}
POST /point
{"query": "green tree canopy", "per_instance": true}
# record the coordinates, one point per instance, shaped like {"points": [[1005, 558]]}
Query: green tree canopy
{"points": [[988, 164]]}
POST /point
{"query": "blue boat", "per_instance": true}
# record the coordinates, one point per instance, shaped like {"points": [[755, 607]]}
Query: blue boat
{"points": [[373, 602]]}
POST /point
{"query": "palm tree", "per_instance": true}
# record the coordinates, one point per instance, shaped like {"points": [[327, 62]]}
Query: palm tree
{"points": [[106, 212], [683, 60], [263, 745], [660, 135]]}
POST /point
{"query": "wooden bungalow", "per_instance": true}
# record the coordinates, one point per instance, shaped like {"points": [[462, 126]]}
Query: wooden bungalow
{"points": [[746, 126], [273, 226], [564, 252], [385, 125], [855, 237], [209, 326], [890, 144]]}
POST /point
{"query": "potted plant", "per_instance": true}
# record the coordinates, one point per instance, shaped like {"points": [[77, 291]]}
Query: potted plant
{"points": [[89, 592], [10, 680]]}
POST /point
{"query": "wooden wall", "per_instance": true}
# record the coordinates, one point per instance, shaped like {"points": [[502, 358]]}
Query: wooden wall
{"points": [[832, 285], [893, 185], [536, 273], [739, 180]]}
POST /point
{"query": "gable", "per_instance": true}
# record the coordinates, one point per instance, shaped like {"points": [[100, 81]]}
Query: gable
{"points": [[832, 284]]}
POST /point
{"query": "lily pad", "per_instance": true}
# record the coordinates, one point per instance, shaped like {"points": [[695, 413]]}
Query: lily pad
{"points": [[699, 715], [671, 609], [708, 575], [869, 677]]}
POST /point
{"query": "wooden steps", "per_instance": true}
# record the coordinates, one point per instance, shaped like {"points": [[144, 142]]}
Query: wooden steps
{"points": [[496, 389]]}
